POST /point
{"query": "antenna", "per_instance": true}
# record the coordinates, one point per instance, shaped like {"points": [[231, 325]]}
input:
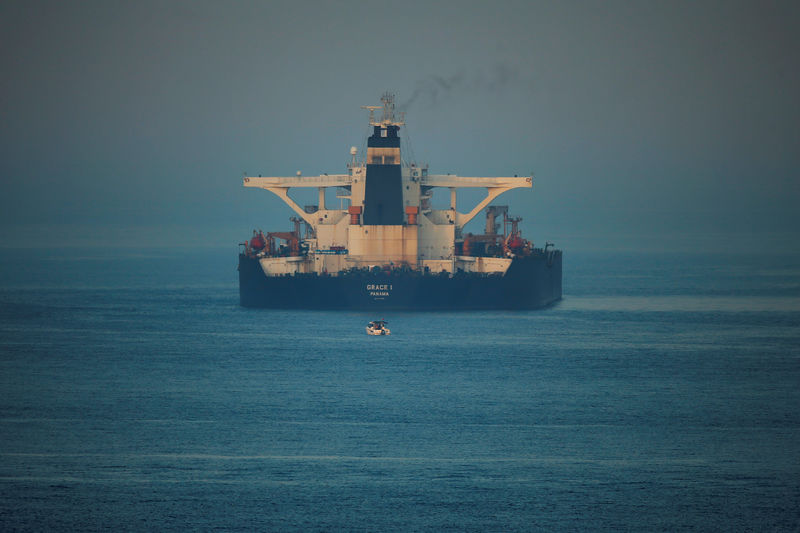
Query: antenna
{"points": [[372, 109], [388, 107], [387, 114]]}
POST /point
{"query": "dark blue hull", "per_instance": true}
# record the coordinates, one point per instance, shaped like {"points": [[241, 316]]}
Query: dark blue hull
{"points": [[531, 282]]}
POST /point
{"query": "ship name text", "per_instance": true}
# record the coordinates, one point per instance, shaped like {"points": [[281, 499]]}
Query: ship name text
{"points": [[378, 289]]}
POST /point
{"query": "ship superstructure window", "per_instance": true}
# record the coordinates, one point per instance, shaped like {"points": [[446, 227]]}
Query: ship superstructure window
{"points": [[384, 132], [382, 159]]}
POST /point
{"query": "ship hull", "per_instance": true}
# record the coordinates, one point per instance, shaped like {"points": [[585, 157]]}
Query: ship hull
{"points": [[530, 282]]}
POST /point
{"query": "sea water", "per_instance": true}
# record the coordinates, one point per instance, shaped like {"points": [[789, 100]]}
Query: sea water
{"points": [[661, 394]]}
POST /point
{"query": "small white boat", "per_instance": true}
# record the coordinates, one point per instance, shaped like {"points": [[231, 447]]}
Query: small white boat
{"points": [[378, 327]]}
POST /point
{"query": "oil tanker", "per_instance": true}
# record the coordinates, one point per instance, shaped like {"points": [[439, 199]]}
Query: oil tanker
{"points": [[387, 247]]}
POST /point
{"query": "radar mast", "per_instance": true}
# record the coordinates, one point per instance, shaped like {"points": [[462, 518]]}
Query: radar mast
{"points": [[387, 113]]}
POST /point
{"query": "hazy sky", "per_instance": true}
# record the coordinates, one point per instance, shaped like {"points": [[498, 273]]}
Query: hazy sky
{"points": [[642, 121]]}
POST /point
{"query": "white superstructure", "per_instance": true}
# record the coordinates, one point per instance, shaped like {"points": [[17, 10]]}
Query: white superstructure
{"points": [[387, 218]]}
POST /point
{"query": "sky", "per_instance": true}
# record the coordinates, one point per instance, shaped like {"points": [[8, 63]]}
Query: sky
{"points": [[647, 125]]}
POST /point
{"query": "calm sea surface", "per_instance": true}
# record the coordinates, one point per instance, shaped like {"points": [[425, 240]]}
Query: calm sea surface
{"points": [[662, 394]]}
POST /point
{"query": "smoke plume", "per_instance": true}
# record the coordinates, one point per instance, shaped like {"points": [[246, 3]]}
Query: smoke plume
{"points": [[433, 89]]}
